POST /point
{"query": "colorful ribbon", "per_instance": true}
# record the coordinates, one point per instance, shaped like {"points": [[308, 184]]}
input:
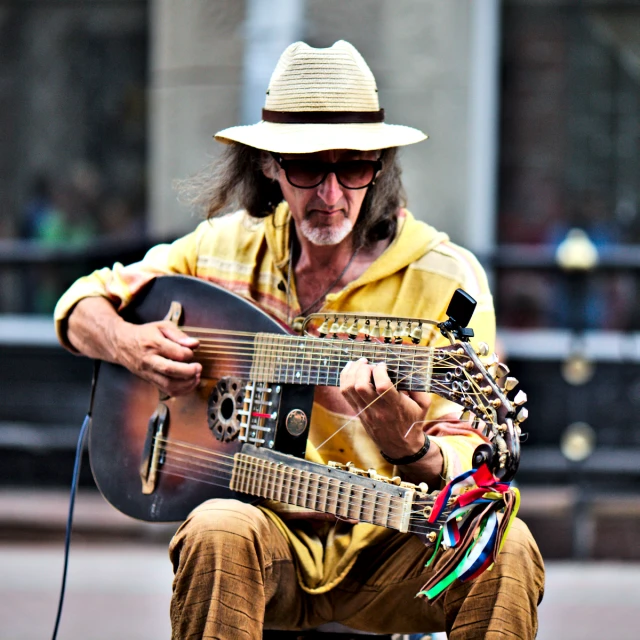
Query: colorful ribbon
{"points": [[472, 527]]}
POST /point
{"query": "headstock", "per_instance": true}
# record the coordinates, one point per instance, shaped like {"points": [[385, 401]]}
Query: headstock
{"points": [[479, 383], [482, 389]]}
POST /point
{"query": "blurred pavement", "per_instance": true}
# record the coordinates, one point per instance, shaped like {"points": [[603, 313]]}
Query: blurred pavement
{"points": [[119, 581]]}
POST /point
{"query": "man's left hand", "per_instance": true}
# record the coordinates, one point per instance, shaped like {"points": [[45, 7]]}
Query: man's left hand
{"points": [[393, 419]]}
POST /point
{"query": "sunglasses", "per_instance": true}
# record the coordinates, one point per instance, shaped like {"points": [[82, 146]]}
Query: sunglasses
{"points": [[351, 174]]}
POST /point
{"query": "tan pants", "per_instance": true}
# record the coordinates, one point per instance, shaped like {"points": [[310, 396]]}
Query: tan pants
{"points": [[235, 574]]}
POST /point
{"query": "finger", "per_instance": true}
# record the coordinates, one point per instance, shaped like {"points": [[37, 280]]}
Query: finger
{"points": [[172, 387], [422, 399], [363, 384], [348, 374], [172, 332], [382, 381], [172, 350], [174, 370]]}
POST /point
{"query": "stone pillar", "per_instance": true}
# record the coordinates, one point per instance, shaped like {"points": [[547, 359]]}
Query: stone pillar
{"points": [[197, 50], [421, 54]]}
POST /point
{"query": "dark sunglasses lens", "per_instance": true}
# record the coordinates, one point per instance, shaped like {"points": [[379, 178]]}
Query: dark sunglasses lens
{"points": [[356, 173], [302, 173], [352, 174]]}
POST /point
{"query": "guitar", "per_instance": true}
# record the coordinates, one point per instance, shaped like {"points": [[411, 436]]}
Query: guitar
{"points": [[242, 434]]}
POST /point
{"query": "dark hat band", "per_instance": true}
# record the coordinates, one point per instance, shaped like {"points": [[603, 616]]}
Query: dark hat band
{"points": [[323, 117]]}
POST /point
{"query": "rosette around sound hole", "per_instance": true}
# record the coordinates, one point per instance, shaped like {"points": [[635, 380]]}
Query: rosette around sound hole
{"points": [[225, 402]]}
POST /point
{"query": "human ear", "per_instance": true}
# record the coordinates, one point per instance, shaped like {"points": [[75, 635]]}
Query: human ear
{"points": [[269, 166]]}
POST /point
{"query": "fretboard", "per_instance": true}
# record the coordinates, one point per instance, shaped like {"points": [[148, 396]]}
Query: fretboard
{"points": [[320, 488], [314, 361]]}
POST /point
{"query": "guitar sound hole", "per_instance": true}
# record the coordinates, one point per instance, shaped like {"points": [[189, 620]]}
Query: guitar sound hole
{"points": [[227, 408], [225, 402]]}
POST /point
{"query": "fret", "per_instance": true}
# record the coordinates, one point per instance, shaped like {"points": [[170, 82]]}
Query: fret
{"points": [[356, 502], [277, 482], [323, 494], [327, 365], [372, 504], [395, 517], [332, 497], [312, 362], [344, 499], [244, 476], [258, 479], [286, 485], [312, 494], [234, 472], [371, 352], [271, 475], [294, 494], [427, 373], [382, 508], [304, 489], [251, 476], [397, 356]]}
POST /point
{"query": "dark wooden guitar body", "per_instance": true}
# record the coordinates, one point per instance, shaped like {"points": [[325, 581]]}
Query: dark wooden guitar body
{"points": [[124, 404]]}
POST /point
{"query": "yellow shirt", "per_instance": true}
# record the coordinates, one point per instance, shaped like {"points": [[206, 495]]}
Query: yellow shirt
{"points": [[414, 277]]}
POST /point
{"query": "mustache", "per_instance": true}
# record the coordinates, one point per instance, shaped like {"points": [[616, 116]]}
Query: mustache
{"points": [[310, 210]]}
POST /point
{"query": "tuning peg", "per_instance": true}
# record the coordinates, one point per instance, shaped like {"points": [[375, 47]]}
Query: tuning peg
{"points": [[416, 334], [523, 414], [483, 349], [366, 330], [344, 327], [511, 383], [324, 328], [501, 370], [487, 391], [375, 331], [491, 360], [335, 327], [387, 332], [521, 398], [398, 333], [353, 330]]}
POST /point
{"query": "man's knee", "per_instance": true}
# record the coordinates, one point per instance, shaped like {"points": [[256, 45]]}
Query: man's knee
{"points": [[217, 525], [521, 557]]}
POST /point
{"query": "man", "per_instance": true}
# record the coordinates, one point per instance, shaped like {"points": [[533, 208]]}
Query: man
{"points": [[321, 226]]}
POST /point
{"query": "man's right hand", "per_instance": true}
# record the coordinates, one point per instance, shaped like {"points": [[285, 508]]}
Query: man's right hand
{"points": [[158, 352]]}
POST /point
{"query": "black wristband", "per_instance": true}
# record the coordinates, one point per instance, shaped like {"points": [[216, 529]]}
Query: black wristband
{"points": [[414, 457]]}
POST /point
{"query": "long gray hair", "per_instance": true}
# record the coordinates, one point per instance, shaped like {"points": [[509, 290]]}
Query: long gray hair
{"points": [[237, 180]]}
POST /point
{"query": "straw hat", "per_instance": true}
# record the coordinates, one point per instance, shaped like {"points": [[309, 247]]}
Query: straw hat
{"points": [[321, 99]]}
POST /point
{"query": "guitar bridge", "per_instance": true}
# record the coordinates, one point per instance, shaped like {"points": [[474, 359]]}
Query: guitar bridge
{"points": [[259, 414]]}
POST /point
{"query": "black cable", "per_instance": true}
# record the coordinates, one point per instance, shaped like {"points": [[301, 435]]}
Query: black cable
{"points": [[72, 498]]}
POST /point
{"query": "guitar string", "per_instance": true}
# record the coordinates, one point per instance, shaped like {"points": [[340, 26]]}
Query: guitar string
{"points": [[388, 512], [384, 345], [415, 525], [321, 343], [175, 447], [258, 429], [318, 343]]}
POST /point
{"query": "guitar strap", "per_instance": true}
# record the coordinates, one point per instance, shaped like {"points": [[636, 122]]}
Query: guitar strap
{"points": [[74, 488]]}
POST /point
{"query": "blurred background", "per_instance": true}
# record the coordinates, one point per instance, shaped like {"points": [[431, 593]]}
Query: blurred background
{"points": [[533, 162]]}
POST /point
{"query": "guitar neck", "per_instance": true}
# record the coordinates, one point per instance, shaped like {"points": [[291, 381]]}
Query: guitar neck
{"points": [[318, 362], [276, 476]]}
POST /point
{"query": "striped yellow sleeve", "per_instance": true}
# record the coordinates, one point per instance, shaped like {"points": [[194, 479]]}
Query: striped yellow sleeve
{"points": [[457, 452], [120, 283]]}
